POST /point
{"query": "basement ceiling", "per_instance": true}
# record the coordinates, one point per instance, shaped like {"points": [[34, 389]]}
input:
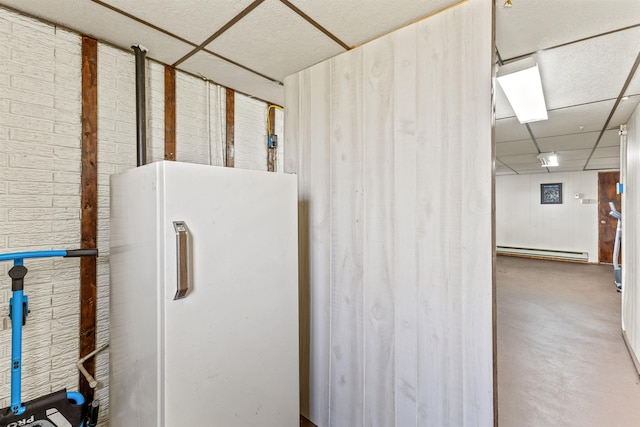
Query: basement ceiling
{"points": [[249, 46], [587, 51]]}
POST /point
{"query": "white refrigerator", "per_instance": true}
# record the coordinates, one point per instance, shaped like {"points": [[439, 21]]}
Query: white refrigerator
{"points": [[203, 297]]}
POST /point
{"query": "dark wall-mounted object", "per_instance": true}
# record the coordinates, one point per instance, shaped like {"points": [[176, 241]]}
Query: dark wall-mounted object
{"points": [[551, 194]]}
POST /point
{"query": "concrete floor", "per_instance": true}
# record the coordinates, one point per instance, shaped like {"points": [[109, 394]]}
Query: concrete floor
{"points": [[561, 357]]}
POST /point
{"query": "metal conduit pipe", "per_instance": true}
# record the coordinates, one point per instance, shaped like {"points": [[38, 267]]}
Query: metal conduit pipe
{"points": [[141, 105]]}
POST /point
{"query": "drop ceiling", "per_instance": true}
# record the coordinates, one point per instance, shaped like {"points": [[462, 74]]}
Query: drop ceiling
{"points": [[246, 45], [586, 50]]}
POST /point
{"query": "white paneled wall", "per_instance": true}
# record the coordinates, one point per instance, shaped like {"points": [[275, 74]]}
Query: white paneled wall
{"points": [[522, 222], [631, 237], [40, 152], [392, 146]]}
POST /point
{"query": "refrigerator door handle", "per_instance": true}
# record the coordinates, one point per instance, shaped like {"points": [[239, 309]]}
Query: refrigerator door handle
{"points": [[182, 258]]}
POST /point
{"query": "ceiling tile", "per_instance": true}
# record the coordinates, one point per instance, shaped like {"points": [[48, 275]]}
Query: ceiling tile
{"points": [[527, 168], [575, 164], [604, 163], [624, 111], [112, 27], [610, 139], [606, 152], [578, 168], [356, 22], [634, 86], [510, 130], [581, 155], [231, 76], [519, 159], [568, 120], [194, 20], [503, 170], [568, 142], [592, 70], [511, 148], [532, 25], [275, 41]]}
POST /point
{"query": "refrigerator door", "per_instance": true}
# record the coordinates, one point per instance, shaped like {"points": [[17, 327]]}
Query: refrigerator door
{"points": [[230, 300]]}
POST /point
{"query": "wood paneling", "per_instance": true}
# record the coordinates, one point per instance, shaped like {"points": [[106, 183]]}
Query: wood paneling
{"points": [[406, 206], [378, 249], [345, 237], [89, 206], [631, 236], [606, 223], [392, 146], [229, 159], [169, 113]]}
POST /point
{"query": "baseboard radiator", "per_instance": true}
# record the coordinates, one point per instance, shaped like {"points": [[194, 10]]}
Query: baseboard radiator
{"points": [[543, 253]]}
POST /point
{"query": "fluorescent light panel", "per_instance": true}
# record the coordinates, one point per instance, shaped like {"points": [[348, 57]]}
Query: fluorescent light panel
{"points": [[521, 83]]}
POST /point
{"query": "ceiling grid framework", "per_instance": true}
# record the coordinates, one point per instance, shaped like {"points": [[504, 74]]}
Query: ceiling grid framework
{"points": [[588, 79], [224, 41], [585, 50]]}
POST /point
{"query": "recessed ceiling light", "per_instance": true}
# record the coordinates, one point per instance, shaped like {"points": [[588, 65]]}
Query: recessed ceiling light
{"points": [[521, 83], [548, 159]]}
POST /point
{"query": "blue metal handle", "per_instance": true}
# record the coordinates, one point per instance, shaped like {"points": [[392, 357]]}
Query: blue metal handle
{"points": [[48, 254], [19, 309]]}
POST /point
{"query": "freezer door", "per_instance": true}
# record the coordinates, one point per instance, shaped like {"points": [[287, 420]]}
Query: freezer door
{"points": [[231, 341]]}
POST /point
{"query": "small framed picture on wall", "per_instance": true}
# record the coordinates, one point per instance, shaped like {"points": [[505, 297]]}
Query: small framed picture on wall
{"points": [[551, 194]]}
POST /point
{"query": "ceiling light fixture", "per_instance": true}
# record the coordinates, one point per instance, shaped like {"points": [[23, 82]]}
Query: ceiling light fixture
{"points": [[507, 3], [521, 83], [548, 159]]}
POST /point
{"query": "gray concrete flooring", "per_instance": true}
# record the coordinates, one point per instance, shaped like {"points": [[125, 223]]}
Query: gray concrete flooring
{"points": [[561, 357]]}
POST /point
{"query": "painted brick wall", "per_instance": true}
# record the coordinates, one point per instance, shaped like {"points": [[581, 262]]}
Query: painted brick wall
{"points": [[217, 123], [40, 109], [155, 111], [40, 150], [191, 120], [251, 133]]}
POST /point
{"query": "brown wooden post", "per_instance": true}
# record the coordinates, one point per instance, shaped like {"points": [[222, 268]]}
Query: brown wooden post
{"points": [[89, 206], [271, 151], [169, 113], [229, 160]]}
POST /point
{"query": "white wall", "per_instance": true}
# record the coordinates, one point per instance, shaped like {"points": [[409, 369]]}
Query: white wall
{"points": [[521, 221], [392, 146], [40, 107], [40, 152], [631, 236]]}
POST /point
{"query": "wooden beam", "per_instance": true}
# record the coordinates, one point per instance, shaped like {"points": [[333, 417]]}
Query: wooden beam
{"points": [[169, 113], [271, 152], [229, 160], [89, 206]]}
